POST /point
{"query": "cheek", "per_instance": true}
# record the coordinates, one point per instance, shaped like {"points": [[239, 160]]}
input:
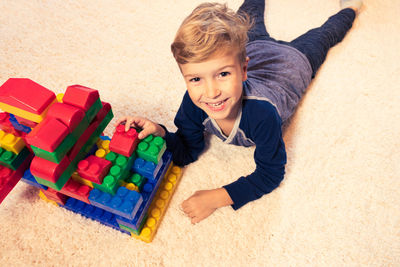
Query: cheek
{"points": [[194, 94]]}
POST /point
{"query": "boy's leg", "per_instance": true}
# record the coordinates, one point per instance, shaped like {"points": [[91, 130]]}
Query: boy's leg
{"points": [[316, 42], [255, 9]]}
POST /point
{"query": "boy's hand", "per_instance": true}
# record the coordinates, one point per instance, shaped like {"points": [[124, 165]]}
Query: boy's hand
{"points": [[203, 203], [147, 126]]}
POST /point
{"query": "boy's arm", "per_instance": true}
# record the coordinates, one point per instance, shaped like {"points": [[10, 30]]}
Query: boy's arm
{"points": [[188, 141], [270, 158]]}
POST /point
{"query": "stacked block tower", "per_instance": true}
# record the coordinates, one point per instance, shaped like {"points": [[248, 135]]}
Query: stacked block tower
{"points": [[56, 143]]}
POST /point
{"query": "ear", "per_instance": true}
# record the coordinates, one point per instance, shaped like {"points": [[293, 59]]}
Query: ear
{"points": [[244, 69]]}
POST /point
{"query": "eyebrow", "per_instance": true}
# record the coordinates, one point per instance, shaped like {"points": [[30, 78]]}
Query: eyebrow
{"points": [[195, 75]]}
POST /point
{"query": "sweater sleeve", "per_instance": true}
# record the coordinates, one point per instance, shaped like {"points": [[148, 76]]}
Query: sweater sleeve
{"points": [[187, 142], [270, 159]]}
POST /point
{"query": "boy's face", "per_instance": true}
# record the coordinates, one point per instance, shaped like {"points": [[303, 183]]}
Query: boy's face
{"points": [[215, 85]]}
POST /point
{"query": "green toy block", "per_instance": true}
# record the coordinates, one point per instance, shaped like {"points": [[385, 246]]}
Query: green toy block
{"points": [[151, 148], [11, 160], [136, 179], [60, 151], [118, 172], [133, 231], [91, 113]]}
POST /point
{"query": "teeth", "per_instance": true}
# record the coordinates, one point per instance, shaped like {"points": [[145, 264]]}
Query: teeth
{"points": [[216, 104]]}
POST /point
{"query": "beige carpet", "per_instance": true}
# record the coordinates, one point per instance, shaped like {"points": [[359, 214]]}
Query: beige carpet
{"points": [[339, 204]]}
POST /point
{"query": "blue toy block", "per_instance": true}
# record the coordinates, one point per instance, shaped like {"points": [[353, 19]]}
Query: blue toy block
{"points": [[29, 179], [94, 213], [19, 126], [147, 169], [104, 137], [148, 192], [125, 203]]}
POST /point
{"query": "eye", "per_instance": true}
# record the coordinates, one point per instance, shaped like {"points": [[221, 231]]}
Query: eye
{"points": [[195, 80], [224, 74]]}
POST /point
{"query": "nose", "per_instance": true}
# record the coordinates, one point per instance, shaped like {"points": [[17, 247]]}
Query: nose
{"points": [[212, 90]]}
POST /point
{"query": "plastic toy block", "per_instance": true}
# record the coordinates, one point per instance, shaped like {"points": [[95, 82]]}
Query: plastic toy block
{"points": [[94, 169], [133, 231], [148, 192], [136, 179], [91, 113], [5, 123], [94, 213], [146, 168], [25, 98], [28, 123], [11, 142], [43, 197], [80, 96], [118, 172], [80, 180], [76, 190], [124, 143], [130, 186], [9, 178], [151, 148], [159, 204], [56, 196], [48, 135], [100, 122], [104, 137], [29, 179], [60, 97], [80, 150], [69, 115], [11, 160], [101, 153], [125, 203], [18, 126], [47, 170], [59, 153], [103, 148]]}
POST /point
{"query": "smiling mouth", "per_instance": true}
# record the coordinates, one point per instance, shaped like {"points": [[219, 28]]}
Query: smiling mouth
{"points": [[217, 106]]}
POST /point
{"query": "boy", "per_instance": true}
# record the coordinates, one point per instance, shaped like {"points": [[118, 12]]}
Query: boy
{"points": [[241, 86]]}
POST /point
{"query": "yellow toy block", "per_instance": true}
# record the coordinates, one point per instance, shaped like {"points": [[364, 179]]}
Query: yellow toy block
{"points": [[75, 176], [104, 148], [60, 97], [10, 142], [25, 114], [101, 153], [42, 196], [160, 204], [130, 186]]}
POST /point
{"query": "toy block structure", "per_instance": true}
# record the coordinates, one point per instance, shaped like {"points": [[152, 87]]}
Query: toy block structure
{"points": [[56, 143]]}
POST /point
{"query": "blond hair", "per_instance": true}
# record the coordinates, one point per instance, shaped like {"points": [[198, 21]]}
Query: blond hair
{"points": [[211, 28]]}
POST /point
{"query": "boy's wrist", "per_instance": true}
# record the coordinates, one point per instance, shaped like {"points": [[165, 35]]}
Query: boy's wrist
{"points": [[223, 198]]}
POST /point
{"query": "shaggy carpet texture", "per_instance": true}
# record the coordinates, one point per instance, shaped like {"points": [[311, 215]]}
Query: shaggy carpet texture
{"points": [[339, 202]]}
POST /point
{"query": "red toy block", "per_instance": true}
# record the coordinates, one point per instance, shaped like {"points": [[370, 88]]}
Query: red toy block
{"points": [[5, 123], [7, 126], [94, 169], [80, 96], [9, 178], [89, 131], [48, 135], [69, 115], [30, 124], [124, 143], [56, 196], [76, 190], [27, 95], [48, 170]]}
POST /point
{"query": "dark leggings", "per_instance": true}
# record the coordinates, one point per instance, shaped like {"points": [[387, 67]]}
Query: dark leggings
{"points": [[314, 44]]}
